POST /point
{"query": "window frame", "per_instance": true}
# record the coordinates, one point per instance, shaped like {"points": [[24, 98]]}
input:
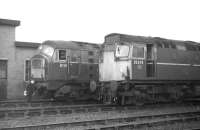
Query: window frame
{"points": [[129, 48], [26, 69], [140, 46], [42, 63], [6, 74], [59, 54]]}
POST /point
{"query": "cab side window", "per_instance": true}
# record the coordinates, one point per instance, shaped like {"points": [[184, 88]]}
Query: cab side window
{"points": [[62, 55], [122, 51], [138, 52]]}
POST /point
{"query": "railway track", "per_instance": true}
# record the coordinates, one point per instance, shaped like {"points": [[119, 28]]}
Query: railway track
{"points": [[61, 115], [40, 103], [182, 117], [59, 108], [24, 112]]}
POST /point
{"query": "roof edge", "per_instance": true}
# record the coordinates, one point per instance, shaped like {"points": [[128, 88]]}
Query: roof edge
{"points": [[9, 22], [27, 44]]}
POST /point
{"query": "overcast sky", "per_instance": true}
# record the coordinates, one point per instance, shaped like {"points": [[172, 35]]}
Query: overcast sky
{"points": [[91, 20]]}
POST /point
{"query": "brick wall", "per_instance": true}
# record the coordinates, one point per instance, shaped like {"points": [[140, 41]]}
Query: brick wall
{"points": [[21, 54], [15, 56], [7, 38]]}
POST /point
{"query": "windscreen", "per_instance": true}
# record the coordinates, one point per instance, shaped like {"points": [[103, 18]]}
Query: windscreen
{"points": [[37, 63], [37, 68]]}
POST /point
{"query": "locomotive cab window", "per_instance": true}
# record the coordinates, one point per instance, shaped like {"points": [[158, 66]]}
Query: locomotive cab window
{"points": [[138, 52], [122, 51], [62, 55], [37, 63]]}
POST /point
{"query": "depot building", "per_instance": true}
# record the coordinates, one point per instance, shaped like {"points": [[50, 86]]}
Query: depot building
{"points": [[14, 61]]}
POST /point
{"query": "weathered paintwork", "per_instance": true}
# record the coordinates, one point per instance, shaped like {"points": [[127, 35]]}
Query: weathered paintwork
{"points": [[158, 70], [112, 70], [166, 63], [66, 65]]}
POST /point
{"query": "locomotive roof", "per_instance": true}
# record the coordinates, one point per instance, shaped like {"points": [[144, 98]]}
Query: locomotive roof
{"points": [[71, 44], [143, 39]]}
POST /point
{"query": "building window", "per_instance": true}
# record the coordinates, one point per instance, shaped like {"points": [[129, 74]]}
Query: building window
{"points": [[27, 70], [62, 54], [3, 69]]}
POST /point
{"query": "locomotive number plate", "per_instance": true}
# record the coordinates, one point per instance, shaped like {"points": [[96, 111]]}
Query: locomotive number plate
{"points": [[138, 62], [63, 65]]}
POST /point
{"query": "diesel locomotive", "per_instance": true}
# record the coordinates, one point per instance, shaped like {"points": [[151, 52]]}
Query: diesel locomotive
{"points": [[137, 69], [65, 70], [125, 69]]}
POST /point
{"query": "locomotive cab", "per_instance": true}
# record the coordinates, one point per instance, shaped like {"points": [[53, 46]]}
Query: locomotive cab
{"points": [[39, 70], [125, 65], [66, 69], [149, 69], [133, 60], [39, 63]]}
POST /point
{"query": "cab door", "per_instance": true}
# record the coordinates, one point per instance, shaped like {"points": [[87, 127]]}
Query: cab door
{"points": [[138, 61], [74, 64], [151, 61]]}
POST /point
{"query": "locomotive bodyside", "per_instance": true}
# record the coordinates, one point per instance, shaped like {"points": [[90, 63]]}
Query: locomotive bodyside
{"points": [[150, 68], [179, 62], [68, 70]]}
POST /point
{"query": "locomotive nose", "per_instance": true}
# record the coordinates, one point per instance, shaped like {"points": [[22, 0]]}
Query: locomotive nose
{"points": [[38, 67]]}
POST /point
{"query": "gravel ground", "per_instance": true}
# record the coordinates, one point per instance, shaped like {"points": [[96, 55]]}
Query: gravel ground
{"points": [[68, 118]]}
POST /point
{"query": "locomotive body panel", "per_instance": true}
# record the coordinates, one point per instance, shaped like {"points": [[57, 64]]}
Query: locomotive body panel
{"points": [[112, 70], [138, 58], [138, 69], [57, 71], [159, 70], [69, 69], [173, 64], [74, 62], [165, 60]]}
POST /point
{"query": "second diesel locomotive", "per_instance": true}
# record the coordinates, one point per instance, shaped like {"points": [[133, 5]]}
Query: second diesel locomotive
{"points": [[136, 69], [66, 70]]}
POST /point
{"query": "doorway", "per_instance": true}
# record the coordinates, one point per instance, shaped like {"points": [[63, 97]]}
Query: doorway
{"points": [[150, 61]]}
